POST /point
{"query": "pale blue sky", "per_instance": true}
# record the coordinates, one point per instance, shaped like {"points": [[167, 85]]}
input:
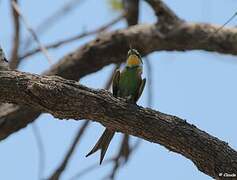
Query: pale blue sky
{"points": [[195, 85]]}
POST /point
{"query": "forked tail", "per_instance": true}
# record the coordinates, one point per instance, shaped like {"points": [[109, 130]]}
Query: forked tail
{"points": [[102, 144]]}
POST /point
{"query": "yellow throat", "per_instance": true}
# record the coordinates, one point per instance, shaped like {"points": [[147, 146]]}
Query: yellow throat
{"points": [[133, 60]]}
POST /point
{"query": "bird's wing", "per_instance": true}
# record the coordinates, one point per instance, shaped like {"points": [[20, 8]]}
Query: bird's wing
{"points": [[116, 83], [140, 89]]}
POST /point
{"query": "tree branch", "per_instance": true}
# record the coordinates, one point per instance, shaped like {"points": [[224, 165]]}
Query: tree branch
{"points": [[131, 9], [66, 99], [163, 12], [41, 150], [32, 32], [14, 61], [112, 48], [59, 171]]}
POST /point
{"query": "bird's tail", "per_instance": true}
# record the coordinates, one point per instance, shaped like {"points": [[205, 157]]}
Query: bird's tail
{"points": [[102, 144]]}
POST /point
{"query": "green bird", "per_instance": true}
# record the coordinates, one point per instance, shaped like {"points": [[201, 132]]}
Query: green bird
{"points": [[127, 84]]}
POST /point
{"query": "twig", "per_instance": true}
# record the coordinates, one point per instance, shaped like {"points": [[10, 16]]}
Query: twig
{"points": [[41, 150], [73, 38], [94, 166], [119, 160], [220, 28], [42, 48], [230, 19], [52, 19], [56, 175], [123, 154], [163, 12], [14, 61]]}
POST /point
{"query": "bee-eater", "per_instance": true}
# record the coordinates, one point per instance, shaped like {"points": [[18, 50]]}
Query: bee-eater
{"points": [[127, 84]]}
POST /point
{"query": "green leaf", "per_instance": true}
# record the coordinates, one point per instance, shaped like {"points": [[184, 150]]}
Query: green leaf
{"points": [[116, 5]]}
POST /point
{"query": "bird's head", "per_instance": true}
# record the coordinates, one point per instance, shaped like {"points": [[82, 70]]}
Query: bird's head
{"points": [[134, 58]]}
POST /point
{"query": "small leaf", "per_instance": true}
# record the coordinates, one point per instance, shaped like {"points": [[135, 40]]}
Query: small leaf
{"points": [[116, 5]]}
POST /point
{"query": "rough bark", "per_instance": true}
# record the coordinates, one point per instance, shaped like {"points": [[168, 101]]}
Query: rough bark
{"points": [[67, 99]]}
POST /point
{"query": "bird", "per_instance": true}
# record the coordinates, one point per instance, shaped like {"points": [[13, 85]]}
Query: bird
{"points": [[127, 84]]}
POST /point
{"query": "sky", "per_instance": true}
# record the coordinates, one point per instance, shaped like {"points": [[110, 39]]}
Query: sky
{"points": [[197, 86]]}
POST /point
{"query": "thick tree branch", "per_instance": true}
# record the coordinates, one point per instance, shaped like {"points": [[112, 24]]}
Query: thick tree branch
{"points": [[66, 99], [112, 48]]}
